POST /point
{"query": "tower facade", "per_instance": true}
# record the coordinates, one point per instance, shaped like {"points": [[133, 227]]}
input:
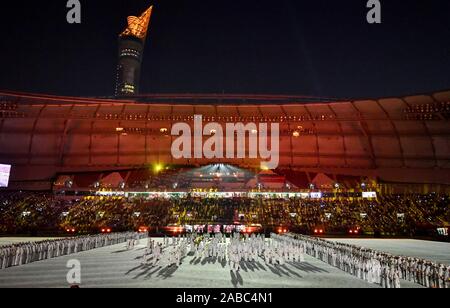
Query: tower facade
{"points": [[131, 51]]}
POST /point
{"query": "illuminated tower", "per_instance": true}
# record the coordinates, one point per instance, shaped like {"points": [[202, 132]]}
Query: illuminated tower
{"points": [[131, 50]]}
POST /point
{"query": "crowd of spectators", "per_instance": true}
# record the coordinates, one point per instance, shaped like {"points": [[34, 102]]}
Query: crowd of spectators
{"points": [[117, 213], [386, 214], [22, 212]]}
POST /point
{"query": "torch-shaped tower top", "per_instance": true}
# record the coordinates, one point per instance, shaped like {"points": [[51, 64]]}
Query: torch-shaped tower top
{"points": [[138, 26]]}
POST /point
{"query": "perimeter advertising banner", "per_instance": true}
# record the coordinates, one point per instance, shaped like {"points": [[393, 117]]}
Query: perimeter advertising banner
{"points": [[369, 195], [5, 171], [316, 195]]}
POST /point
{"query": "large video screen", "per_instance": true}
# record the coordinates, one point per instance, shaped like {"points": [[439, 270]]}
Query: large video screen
{"points": [[5, 171]]}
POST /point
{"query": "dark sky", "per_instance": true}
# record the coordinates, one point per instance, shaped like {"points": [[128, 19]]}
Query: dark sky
{"points": [[316, 47]]}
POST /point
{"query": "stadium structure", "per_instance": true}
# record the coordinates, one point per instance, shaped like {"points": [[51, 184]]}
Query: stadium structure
{"points": [[355, 181], [120, 142], [397, 140]]}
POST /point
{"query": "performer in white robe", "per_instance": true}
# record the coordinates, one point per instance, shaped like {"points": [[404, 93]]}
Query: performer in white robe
{"points": [[396, 279]]}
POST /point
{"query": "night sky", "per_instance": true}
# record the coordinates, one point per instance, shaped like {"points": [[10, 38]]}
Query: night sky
{"points": [[317, 47]]}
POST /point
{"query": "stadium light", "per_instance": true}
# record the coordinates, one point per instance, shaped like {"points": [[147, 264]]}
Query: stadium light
{"points": [[158, 168]]}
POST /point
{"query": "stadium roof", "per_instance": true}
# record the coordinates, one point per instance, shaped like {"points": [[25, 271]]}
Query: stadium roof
{"points": [[399, 139], [208, 99]]}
